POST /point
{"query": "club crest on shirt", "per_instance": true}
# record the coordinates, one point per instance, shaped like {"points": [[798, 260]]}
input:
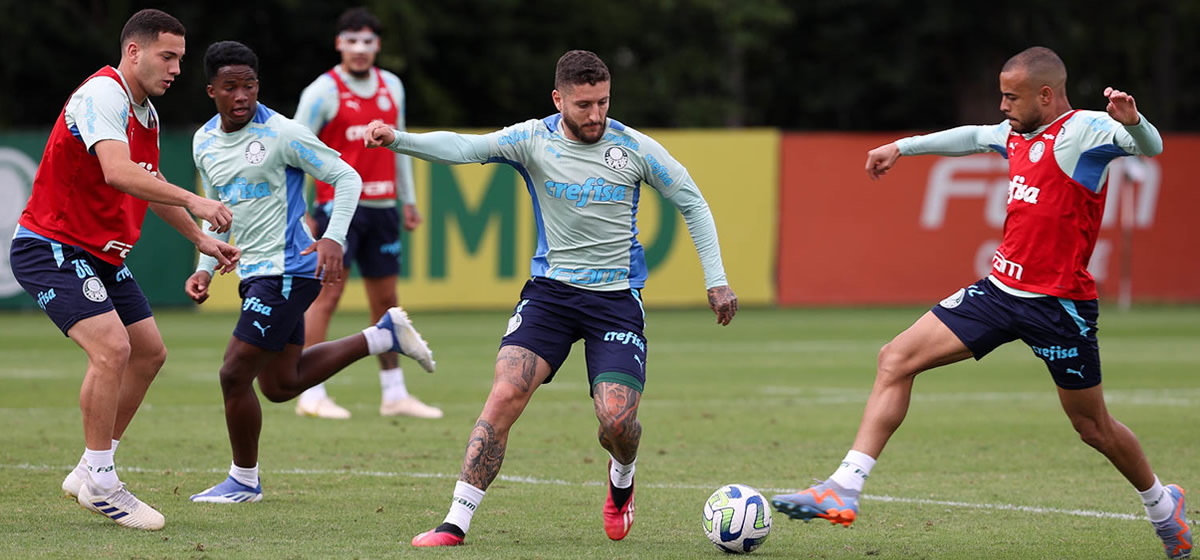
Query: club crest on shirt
{"points": [[94, 290], [256, 152], [383, 100], [616, 157], [1036, 150]]}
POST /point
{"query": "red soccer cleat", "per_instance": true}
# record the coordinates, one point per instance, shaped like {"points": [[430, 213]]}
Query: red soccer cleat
{"points": [[617, 522], [434, 538]]}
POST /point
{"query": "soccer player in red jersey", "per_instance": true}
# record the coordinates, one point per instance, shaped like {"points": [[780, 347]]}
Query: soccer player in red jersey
{"points": [[1039, 289], [98, 175]]}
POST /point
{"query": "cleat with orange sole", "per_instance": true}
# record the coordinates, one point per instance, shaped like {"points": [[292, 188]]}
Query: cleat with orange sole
{"points": [[826, 500]]}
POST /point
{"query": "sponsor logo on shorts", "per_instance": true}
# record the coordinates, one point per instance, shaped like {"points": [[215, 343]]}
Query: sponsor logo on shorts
{"points": [[124, 274], [256, 305], [954, 300], [94, 290], [261, 328], [1056, 353], [625, 338], [44, 297], [514, 323]]}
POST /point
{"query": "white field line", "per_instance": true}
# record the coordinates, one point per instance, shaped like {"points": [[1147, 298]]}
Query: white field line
{"points": [[557, 482]]}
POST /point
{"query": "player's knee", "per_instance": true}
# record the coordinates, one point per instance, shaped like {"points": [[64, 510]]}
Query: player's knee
{"points": [[234, 379], [893, 362], [112, 357], [1093, 432], [277, 394]]}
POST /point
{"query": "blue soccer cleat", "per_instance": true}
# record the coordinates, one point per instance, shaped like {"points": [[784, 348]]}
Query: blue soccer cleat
{"points": [[1174, 531], [229, 491], [826, 500], [405, 339]]}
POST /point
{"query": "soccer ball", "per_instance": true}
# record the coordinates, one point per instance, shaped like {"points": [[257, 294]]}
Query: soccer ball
{"points": [[737, 519]]}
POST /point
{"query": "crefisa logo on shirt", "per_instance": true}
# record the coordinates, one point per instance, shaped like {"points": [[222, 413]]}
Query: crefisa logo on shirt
{"points": [[616, 157], [1036, 150], [256, 152]]}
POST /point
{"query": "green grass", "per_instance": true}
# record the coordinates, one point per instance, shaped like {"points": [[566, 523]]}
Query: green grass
{"points": [[771, 401]]}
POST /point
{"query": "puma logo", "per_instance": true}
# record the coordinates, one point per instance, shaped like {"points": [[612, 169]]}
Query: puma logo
{"points": [[262, 329]]}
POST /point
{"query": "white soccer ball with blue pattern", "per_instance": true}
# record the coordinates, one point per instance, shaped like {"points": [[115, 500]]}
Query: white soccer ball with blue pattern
{"points": [[737, 519]]}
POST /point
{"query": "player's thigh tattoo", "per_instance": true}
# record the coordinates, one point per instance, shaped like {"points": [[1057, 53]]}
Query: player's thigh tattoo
{"points": [[518, 367], [485, 452], [616, 408]]}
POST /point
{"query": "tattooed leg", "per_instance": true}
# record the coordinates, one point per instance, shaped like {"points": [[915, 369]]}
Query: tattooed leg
{"points": [[616, 408], [518, 373]]}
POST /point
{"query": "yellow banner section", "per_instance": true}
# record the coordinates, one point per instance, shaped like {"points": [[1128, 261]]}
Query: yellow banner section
{"points": [[473, 249]]}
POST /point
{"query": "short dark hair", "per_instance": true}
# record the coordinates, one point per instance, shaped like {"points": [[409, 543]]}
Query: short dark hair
{"points": [[228, 53], [580, 67], [358, 18], [1042, 65], [144, 26]]}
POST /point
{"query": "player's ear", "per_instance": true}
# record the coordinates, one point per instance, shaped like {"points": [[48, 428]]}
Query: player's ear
{"points": [[132, 50], [557, 97], [211, 92]]}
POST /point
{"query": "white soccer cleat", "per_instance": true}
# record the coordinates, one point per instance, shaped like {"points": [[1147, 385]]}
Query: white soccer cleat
{"points": [[122, 507], [405, 339], [75, 480], [409, 406], [322, 408]]}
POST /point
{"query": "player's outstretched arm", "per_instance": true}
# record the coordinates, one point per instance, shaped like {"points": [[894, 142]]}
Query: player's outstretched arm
{"points": [[123, 174], [881, 159], [1121, 107], [723, 302]]}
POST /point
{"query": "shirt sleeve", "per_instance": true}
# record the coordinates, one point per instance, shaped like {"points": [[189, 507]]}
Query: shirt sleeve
{"points": [[99, 110], [318, 104], [1098, 129], [671, 178], [206, 263], [304, 151], [405, 189], [959, 141], [443, 147]]}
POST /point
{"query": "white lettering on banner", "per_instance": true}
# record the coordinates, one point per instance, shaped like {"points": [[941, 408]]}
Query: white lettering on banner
{"points": [[16, 180], [986, 176], [962, 177]]}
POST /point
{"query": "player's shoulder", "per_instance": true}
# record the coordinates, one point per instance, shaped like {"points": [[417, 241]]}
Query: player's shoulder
{"points": [[390, 78], [1084, 120], [102, 93], [321, 85], [629, 137]]}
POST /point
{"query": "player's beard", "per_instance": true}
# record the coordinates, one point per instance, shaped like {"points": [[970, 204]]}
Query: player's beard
{"points": [[579, 132]]}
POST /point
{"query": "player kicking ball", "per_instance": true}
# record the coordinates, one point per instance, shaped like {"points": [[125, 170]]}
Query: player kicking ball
{"points": [[584, 172], [253, 160]]}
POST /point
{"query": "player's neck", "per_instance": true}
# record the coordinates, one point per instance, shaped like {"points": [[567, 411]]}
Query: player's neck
{"points": [[1055, 111], [356, 75], [229, 127], [137, 93]]}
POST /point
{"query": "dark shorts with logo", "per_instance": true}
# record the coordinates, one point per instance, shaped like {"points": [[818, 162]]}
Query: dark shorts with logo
{"points": [[70, 284], [552, 315], [273, 310], [373, 240], [1062, 332]]}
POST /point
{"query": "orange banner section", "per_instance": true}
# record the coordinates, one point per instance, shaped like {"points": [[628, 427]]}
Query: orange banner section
{"points": [[931, 224]]}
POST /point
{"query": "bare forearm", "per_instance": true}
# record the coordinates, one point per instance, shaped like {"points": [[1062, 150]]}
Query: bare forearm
{"points": [[179, 219], [131, 178]]}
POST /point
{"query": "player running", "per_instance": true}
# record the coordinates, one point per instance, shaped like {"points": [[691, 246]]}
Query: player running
{"points": [[1039, 290], [253, 160], [583, 171], [337, 107], [97, 176]]}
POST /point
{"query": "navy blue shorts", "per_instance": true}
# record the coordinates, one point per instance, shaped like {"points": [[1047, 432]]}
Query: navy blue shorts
{"points": [[373, 240], [552, 315], [1062, 332], [273, 310], [70, 284]]}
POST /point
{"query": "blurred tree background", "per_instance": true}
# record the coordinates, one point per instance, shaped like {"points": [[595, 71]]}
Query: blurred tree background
{"points": [[796, 65]]}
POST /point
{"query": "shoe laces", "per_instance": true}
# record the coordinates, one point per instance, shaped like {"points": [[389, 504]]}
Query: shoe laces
{"points": [[124, 499]]}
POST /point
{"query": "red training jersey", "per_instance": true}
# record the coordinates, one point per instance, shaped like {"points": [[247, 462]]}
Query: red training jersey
{"points": [[345, 134], [71, 202], [1052, 223]]}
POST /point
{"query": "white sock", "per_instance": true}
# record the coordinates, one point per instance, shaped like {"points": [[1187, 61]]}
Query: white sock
{"points": [[392, 382], [81, 466], [462, 508], [313, 394], [1159, 503], [622, 475], [855, 469], [247, 476], [101, 470], [378, 340]]}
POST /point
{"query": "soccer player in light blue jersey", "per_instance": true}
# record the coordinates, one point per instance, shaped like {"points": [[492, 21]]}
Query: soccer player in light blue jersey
{"points": [[583, 171], [253, 160]]}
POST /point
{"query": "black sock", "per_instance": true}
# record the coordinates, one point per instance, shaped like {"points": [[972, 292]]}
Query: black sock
{"points": [[620, 495], [450, 528]]}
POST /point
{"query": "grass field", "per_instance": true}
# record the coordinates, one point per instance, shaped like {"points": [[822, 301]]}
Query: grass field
{"points": [[986, 465]]}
